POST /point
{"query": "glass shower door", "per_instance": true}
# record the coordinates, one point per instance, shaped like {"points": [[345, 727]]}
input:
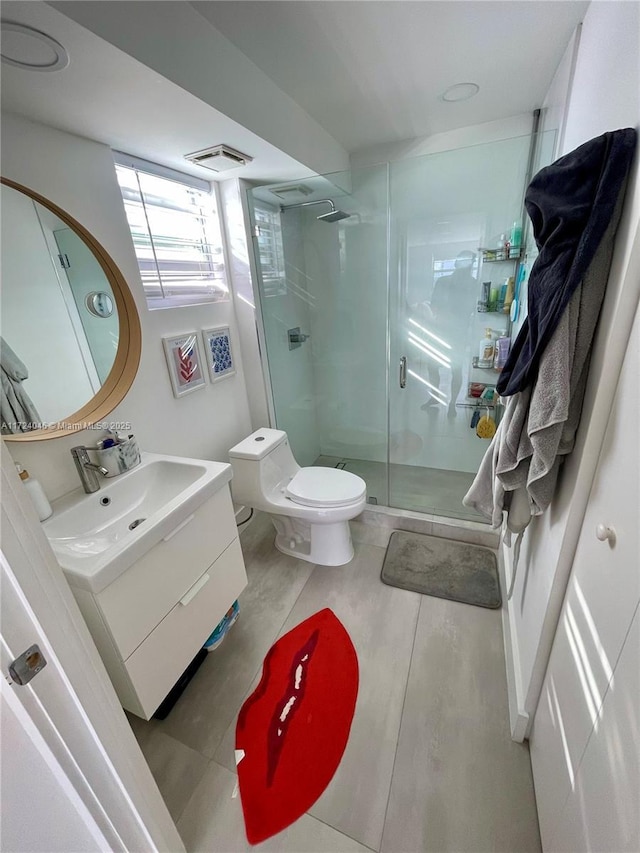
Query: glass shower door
{"points": [[323, 282], [451, 215]]}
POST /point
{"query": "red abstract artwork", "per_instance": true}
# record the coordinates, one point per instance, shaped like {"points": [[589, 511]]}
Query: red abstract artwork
{"points": [[294, 727], [185, 361]]}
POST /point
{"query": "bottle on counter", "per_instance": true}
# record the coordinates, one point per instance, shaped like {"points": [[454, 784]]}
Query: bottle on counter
{"points": [[502, 347], [516, 238], [487, 350], [36, 493], [508, 296], [502, 295], [483, 302]]}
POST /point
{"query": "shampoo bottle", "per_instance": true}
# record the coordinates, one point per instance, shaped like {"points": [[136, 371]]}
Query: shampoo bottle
{"points": [[516, 237], [508, 298], [36, 493], [502, 347]]}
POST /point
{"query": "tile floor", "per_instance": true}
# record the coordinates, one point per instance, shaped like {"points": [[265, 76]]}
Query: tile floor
{"points": [[412, 487], [429, 765]]}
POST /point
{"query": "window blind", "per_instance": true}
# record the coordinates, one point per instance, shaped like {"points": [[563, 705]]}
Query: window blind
{"points": [[177, 238], [270, 251]]}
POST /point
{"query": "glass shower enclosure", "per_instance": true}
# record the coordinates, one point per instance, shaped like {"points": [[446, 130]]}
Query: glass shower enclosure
{"points": [[376, 287]]}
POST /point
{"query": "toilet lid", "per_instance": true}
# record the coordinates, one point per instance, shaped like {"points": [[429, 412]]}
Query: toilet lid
{"points": [[325, 487]]}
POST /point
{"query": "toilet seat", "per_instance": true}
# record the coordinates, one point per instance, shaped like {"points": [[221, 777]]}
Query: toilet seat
{"points": [[325, 487]]}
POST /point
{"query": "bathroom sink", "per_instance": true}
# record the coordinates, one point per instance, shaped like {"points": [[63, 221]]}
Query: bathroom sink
{"points": [[97, 537]]}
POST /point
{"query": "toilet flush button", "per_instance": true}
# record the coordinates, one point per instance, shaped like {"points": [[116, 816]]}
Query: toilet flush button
{"points": [[259, 438]]}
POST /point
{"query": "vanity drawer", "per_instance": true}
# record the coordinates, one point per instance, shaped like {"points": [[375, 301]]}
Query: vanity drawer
{"points": [[135, 603], [156, 665]]}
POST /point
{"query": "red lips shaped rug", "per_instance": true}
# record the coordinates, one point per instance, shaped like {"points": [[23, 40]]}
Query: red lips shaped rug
{"points": [[294, 727]]}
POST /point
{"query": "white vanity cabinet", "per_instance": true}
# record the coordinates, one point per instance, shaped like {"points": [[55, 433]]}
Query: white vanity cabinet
{"points": [[149, 623]]}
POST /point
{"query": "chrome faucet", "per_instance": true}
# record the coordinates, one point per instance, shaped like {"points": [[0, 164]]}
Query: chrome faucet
{"points": [[87, 471]]}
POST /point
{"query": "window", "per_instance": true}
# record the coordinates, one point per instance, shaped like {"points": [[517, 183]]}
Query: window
{"points": [[176, 234], [271, 251]]}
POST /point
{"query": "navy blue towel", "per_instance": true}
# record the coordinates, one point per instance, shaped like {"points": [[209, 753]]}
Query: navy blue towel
{"points": [[570, 204]]}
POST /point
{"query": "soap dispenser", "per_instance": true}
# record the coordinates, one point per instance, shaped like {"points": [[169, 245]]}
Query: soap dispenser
{"points": [[36, 493]]}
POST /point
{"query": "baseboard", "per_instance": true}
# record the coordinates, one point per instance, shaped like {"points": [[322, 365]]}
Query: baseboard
{"points": [[518, 717], [462, 530]]}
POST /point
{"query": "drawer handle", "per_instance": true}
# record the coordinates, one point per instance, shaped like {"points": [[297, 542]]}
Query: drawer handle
{"points": [[195, 589], [178, 528]]}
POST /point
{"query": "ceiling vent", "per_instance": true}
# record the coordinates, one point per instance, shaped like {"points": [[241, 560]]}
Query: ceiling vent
{"points": [[220, 158]]}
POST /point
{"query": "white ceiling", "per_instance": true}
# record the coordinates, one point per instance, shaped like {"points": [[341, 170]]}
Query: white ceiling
{"points": [[367, 72], [108, 96], [372, 72]]}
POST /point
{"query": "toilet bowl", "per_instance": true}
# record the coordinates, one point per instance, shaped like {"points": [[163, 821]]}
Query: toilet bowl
{"points": [[310, 507]]}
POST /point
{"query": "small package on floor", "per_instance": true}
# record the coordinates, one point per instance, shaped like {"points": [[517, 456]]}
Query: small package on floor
{"points": [[220, 631]]}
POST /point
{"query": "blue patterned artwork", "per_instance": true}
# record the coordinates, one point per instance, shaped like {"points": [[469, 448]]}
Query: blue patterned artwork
{"points": [[219, 353]]}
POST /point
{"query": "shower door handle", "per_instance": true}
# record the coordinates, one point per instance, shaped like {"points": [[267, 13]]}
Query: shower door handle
{"points": [[403, 371]]}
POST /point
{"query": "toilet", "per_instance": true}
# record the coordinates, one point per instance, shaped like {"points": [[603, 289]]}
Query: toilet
{"points": [[309, 507]]}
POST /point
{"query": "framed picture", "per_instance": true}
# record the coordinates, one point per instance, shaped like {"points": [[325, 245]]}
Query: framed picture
{"points": [[219, 352], [184, 362]]}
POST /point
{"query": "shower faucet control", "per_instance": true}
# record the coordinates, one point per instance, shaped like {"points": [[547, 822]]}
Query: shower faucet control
{"points": [[296, 338]]}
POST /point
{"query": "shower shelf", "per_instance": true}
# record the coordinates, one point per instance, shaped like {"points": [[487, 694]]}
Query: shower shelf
{"points": [[496, 256], [475, 366], [476, 403]]}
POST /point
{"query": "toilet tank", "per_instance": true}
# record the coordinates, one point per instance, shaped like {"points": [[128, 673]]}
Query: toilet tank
{"points": [[260, 462]]}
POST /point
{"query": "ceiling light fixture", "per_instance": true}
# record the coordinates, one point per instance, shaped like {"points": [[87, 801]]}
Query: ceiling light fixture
{"points": [[460, 92], [24, 47]]}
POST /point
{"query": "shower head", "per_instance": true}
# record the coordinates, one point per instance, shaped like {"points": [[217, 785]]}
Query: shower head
{"points": [[334, 214]]}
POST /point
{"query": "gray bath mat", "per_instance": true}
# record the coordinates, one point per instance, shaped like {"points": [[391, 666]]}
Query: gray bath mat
{"points": [[443, 568]]}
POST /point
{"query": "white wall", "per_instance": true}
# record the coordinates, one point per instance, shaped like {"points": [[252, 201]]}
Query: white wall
{"points": [[553, 112], [78, 175], [35, 320], [605, 96]]}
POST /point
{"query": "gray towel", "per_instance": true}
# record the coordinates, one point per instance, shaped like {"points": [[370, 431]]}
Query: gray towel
{"points": [[539, 425], [17, 411]]}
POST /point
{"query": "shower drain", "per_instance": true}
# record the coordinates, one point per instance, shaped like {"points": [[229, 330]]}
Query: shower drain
{"points": [[135, 523]]}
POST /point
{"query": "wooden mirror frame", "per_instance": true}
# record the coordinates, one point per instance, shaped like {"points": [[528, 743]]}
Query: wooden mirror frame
{"points": [[127, 359]]}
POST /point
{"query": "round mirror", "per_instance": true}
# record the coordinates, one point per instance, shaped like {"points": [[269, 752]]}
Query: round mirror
{"points": [[70, 336]]}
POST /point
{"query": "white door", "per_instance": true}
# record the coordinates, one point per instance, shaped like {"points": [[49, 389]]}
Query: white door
{"points": [[588, 696], [96, 785]]}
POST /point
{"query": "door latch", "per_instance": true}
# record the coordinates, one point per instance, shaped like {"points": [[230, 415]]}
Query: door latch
{"points": [[27, 665]]}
